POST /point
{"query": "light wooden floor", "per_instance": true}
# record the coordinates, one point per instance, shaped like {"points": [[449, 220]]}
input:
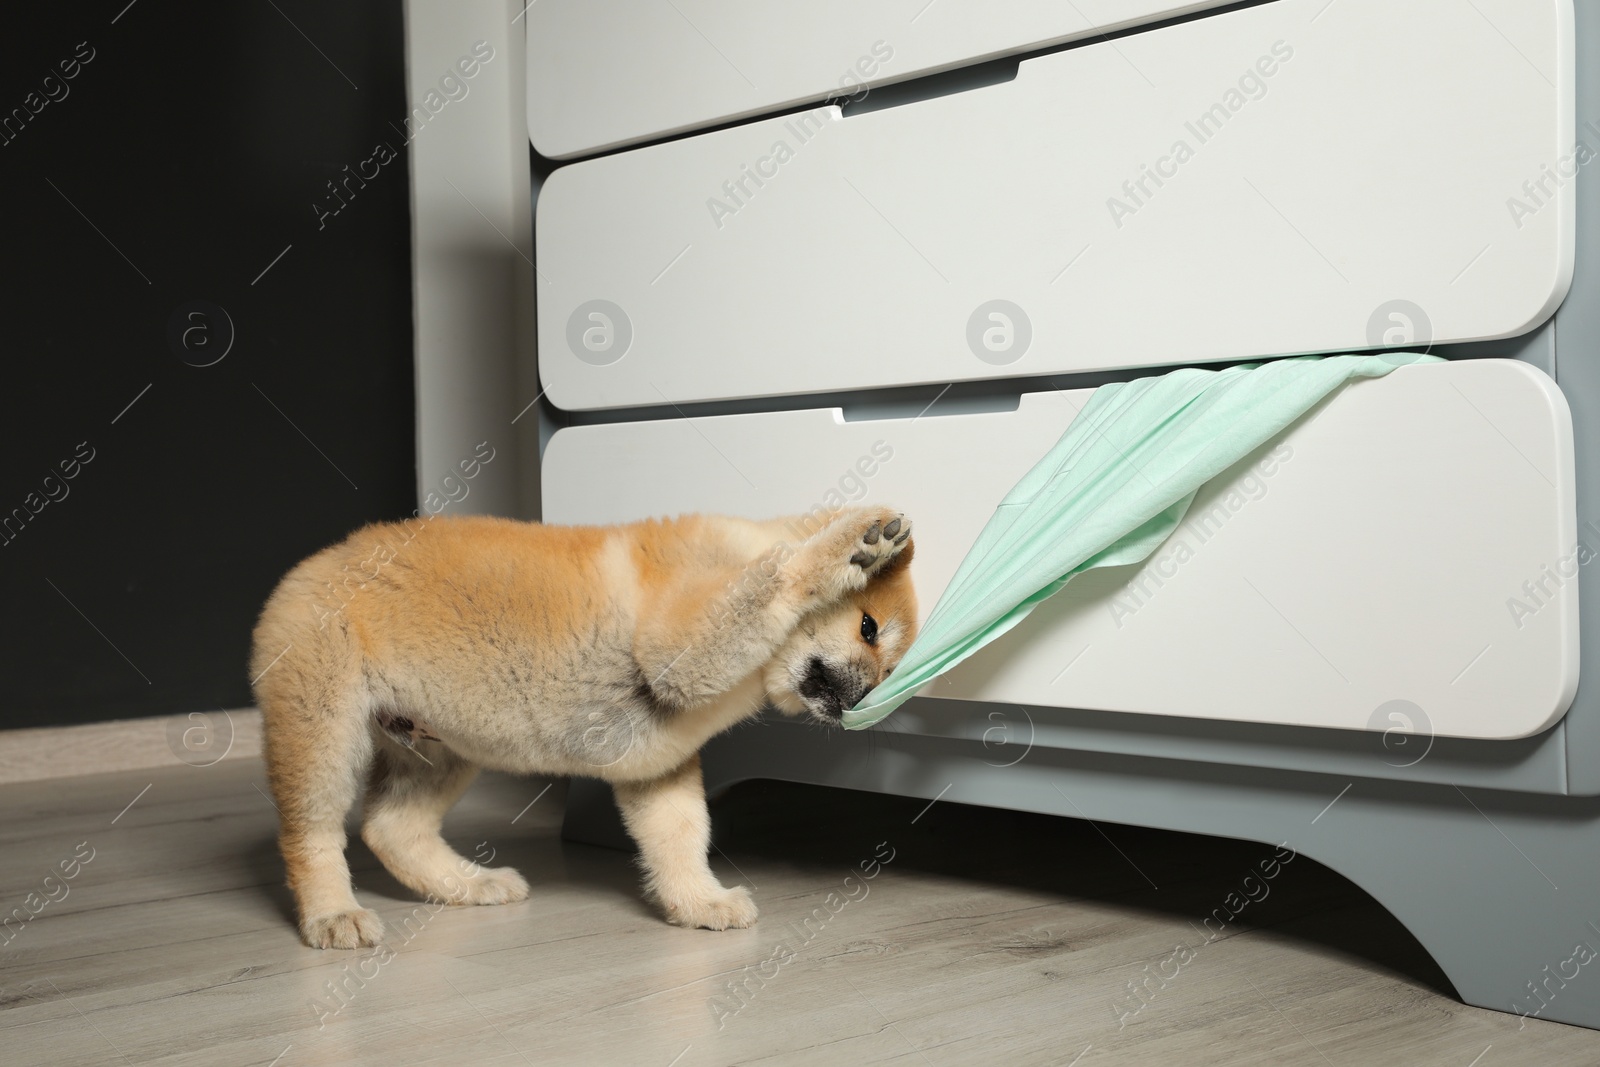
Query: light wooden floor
{"points": [[992, 937]]}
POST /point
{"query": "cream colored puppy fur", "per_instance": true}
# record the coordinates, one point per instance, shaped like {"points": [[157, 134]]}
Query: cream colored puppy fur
{"points": [[411, 655]]}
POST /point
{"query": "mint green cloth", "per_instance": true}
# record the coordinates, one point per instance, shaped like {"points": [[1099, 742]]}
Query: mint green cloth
{"points": [[1115, 485]]}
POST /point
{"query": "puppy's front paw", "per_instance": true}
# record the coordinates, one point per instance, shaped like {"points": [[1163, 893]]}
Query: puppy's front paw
{"points": [[490, 885], [884, 534], [726, 909], [345, 929], [845, 555], [882, 539]]}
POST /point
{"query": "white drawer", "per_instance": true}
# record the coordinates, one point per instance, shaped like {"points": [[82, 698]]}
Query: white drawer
{"points": [[602, 75], [1382, 557], [1379, 162]]}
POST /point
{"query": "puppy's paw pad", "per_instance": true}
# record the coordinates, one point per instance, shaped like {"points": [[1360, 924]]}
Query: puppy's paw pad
{"points": [[345, 929], [492, 885], [730, 909], [880, 540]]}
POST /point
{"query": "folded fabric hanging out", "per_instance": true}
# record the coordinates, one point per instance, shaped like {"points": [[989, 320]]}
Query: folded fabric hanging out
{"points": [[1115, 485]]}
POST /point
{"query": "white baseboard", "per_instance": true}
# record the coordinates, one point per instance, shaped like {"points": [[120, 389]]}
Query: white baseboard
{"points": [[198, 739]]}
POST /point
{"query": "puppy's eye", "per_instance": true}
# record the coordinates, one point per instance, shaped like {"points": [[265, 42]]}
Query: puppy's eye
{"points": [[869, 629]]}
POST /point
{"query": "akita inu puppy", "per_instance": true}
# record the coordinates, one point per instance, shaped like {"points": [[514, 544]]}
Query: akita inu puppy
{"points": [[413, 655]]}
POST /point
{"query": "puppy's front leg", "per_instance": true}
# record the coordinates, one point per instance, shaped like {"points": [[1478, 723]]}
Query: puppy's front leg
{"points": [[840, 558], [698, 642], [668, 819]]}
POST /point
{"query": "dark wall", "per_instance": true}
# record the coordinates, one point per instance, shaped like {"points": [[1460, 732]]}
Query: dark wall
{"points": [[188, 408]]}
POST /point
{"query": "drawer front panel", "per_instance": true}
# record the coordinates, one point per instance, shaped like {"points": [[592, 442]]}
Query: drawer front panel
{"points": [[1027, 228], [605, 75], [1412, 540]]}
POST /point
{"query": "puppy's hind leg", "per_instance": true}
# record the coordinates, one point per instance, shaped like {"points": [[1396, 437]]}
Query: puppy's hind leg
{"points": [[668, 819], [317, 747], [407, 797]]}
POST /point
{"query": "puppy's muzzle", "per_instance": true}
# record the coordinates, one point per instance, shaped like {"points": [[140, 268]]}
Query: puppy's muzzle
{"points": [[828, 691]]}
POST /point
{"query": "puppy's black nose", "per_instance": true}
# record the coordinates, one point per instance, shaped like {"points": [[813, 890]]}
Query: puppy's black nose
{"points": [[822, 685]]}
